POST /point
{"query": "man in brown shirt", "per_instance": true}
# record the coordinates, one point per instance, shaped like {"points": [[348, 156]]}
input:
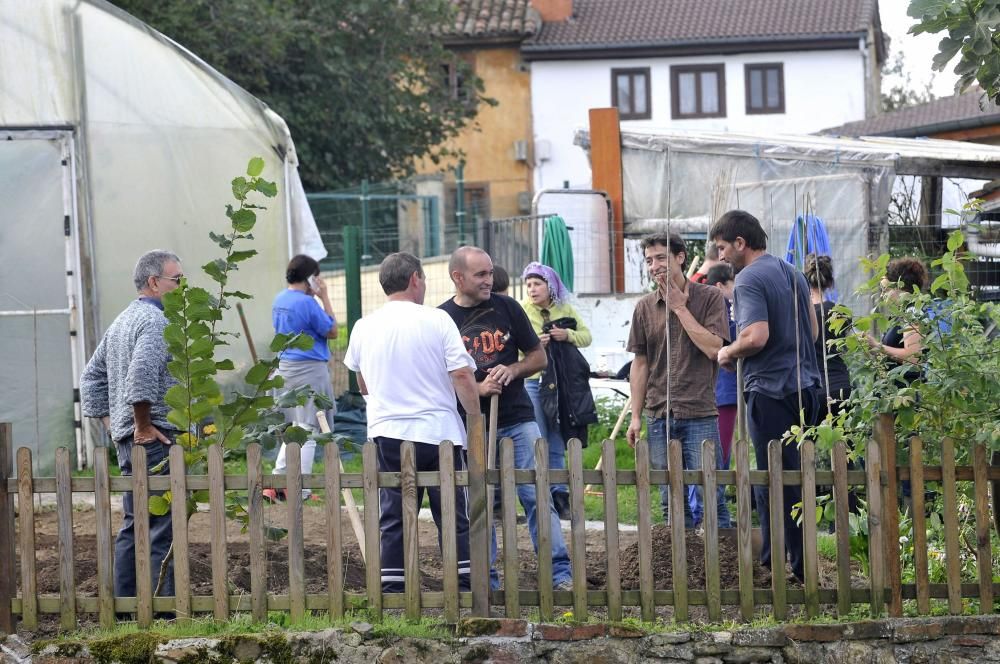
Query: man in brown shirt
{"points": [[675, 381]]}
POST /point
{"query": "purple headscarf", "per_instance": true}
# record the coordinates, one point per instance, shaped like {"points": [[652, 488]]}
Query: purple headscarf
{"points": [[557, 290]]}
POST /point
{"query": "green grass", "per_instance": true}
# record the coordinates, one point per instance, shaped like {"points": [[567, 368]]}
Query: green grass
{"points": [[628, 501], [113, 469], [826, 546], [390, 627]]}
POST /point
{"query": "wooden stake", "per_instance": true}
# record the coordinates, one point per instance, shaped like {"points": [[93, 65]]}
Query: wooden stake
{"points": [[491, 454], [695, 262], [349, 502], [246, 331], [627, 408]]}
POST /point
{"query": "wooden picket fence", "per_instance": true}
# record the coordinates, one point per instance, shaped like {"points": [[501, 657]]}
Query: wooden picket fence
{"points": [[884, 589]]}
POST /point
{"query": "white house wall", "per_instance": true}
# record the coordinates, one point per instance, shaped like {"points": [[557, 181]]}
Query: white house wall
{"points": [[822, 89]]}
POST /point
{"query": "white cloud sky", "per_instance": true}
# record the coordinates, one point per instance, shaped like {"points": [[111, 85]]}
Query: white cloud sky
{"points": [[918, 50]]}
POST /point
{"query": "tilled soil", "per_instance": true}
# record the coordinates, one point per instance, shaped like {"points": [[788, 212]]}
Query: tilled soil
{"points": [[238, 550], [315, 549], [663, 568]]}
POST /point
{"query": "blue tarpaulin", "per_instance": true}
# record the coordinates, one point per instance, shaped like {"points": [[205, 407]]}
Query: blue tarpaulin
{"points": [[810, 231]]}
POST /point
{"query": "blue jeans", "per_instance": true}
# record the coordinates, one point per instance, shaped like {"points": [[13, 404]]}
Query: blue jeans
{"points": [[691, 433], [161, 533], [524, 435], [550, 432]]}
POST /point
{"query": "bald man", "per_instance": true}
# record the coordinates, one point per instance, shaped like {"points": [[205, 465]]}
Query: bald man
{"points": [[495, 330]]}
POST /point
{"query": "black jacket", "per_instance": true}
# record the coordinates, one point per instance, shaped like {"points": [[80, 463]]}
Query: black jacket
{"points": [[564, 386]]}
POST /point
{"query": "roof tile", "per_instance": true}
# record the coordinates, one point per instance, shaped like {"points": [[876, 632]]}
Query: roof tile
{"points": [[955, 112], [493, 18], [623, 23]]}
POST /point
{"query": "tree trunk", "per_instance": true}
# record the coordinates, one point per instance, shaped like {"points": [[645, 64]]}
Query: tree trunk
{"points": [[996, 495]]}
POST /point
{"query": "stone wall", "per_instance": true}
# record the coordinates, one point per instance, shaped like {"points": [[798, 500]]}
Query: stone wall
{"points": [[929, 640]]}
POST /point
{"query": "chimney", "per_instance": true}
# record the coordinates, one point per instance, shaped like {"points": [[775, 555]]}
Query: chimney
{"points": [[553, 10]]}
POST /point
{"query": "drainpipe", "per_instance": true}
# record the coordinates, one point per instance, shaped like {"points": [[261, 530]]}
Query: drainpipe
{"points": [[870, 108], [460, 201], [991, 249]]}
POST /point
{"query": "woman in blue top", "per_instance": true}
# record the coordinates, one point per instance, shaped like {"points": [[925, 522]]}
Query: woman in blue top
{"points": [[295, 310]]}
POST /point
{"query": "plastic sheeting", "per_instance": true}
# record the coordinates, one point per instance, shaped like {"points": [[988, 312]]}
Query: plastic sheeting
{"points": [[685, 181], [36, 388], [156, 136]]}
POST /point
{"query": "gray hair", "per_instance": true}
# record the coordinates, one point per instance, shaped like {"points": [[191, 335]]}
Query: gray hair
{"points": [[395, 272], [151, 264]]}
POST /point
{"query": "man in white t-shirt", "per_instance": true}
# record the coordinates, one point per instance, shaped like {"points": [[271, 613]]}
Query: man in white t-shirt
{"points": [[411, 362]]}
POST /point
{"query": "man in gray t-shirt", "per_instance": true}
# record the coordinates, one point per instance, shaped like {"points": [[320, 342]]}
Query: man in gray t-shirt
{"points": [[777, 329]]}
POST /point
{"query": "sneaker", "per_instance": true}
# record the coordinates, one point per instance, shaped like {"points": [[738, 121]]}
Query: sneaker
{"points": [[274, 495], [565, 585]]}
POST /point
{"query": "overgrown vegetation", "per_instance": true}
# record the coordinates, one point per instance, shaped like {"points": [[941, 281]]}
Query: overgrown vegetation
{"points": [[952, 392], [127, 642], [957, 392]]}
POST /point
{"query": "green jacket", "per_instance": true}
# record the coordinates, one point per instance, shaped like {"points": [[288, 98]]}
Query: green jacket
{"points": [[580, 337]]}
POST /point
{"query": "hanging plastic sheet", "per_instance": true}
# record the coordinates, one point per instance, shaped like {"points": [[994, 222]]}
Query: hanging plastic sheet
{"points": [[692, 178]]}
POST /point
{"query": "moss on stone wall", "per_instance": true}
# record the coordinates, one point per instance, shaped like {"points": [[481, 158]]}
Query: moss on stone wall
{"points": [[136, 648]]}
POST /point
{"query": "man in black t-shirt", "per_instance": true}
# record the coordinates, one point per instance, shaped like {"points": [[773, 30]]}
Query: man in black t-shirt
{"points": [[495, 329]]}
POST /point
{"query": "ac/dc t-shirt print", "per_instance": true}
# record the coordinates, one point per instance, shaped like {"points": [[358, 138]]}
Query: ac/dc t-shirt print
{"points": [[494, 332]]}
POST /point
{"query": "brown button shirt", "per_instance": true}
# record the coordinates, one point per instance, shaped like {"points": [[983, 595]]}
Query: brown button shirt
{"points": [[692, 373]]}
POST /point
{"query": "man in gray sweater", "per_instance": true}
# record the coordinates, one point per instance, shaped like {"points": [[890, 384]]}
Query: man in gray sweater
{"points": [[124, 384]]}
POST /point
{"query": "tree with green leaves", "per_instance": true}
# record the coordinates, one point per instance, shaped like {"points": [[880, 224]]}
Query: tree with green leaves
{"points": [[971, 34], [192, 337], [363, 84]]}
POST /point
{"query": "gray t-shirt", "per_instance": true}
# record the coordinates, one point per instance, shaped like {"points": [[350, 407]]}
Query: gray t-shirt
{"points": [[765, 291]]}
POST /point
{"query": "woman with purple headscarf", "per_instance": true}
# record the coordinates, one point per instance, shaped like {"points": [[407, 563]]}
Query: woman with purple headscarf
{"points": [[550, 315]]}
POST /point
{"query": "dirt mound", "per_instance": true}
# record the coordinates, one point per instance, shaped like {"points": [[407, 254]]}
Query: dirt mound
{"points": [[663, 568]]}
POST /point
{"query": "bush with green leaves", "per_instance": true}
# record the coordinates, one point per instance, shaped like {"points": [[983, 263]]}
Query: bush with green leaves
{"points": [[199, 406], [957, 394]]}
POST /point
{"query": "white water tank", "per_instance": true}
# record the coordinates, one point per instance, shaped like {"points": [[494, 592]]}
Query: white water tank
{"points": [[586, 215]]}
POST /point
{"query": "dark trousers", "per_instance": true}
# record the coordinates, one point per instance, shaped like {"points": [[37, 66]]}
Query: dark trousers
{"points": [[768, 419], [161, 534], [391, 511]]}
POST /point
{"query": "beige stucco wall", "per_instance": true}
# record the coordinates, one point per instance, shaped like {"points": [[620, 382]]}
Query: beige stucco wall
{"points": [[488, 143], [439, 287]]}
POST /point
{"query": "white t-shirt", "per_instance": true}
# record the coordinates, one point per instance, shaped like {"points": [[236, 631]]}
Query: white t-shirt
{"points": [[404, 351]]}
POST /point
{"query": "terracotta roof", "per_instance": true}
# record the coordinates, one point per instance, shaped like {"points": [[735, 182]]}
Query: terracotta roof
{"points": [[621, 24], [944, 114], [490, 19]]}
